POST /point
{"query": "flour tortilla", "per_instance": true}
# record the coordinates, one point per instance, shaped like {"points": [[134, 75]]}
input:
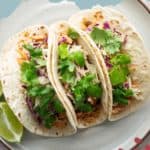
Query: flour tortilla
{"points": [[15, 94], [134, 47], [53, 65]]}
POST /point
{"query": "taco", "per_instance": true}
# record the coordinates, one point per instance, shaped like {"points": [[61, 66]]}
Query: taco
{"points": [[26, 86], [77, 75], [122, 55]]}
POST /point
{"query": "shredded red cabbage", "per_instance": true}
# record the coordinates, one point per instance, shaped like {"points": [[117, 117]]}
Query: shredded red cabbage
{"points": [[107, 62], [34, 114], [63, 39], [106, 25], [126, 85]]}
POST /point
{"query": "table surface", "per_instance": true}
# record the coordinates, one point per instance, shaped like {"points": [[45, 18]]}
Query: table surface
{"points": [[8, 6]]}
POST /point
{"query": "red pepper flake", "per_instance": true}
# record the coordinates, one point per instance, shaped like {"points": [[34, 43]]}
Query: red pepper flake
{"points": [[147, 147], [137, 140]]}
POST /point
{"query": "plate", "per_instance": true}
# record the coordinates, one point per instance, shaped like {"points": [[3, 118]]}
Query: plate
{"points": [[122, 134]]}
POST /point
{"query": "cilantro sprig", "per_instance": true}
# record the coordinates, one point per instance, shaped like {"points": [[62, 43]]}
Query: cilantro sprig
{"points": [[106, 39], [84, 88], [68, 61], [34, 52], [119, 72], [73, 34], [121, 95]]}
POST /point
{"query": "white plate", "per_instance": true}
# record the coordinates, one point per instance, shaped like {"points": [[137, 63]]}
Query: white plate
{"points": [[110, 135]]}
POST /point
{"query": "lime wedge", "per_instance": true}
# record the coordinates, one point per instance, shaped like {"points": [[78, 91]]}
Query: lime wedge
{"points": [[1, 91], [10, 128]]}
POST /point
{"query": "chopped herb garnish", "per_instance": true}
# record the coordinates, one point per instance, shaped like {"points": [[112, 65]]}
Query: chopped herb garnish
{"points": [[63, 51], [29, 73], [78, 58], [34, 52], [84, 88], [43, 96], [84, 107], [121, 59], [67, 69], [94, 90], [105, 38], [121, 95], [41, 90], [117, 75], [73, 34], [58, 106]]}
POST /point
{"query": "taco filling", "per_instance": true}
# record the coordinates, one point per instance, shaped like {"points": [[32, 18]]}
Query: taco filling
{"points": [[40, 95], [78, 75], [110, 42]]}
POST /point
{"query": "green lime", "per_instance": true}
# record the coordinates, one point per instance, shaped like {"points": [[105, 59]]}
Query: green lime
{"points": [[10, 128], [1, 91]]}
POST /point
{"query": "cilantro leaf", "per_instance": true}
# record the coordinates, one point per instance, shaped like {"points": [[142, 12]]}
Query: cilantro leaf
{"points": [[73, 34], [68, 77], [99, 35], [29, 73], [84, 107], [121, 95], [86, 80], [48, 117], [40, 63], [79, 93], [34, 52], [49, 120], [66, 64], [106, 39], [58, 106], [44, 101], [121, 59], [117, 75], [84, 88], [67, 68], [128, 93], [63, 51], [40, 90], [94, 90], [78, 58]]}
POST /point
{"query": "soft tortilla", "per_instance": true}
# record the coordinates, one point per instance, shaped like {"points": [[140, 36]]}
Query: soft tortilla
{"points": [[101, 115], [14, 93], [134, 47]]}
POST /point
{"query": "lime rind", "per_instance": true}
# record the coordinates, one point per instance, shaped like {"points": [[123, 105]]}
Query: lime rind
{"points": [[10, 128]]}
